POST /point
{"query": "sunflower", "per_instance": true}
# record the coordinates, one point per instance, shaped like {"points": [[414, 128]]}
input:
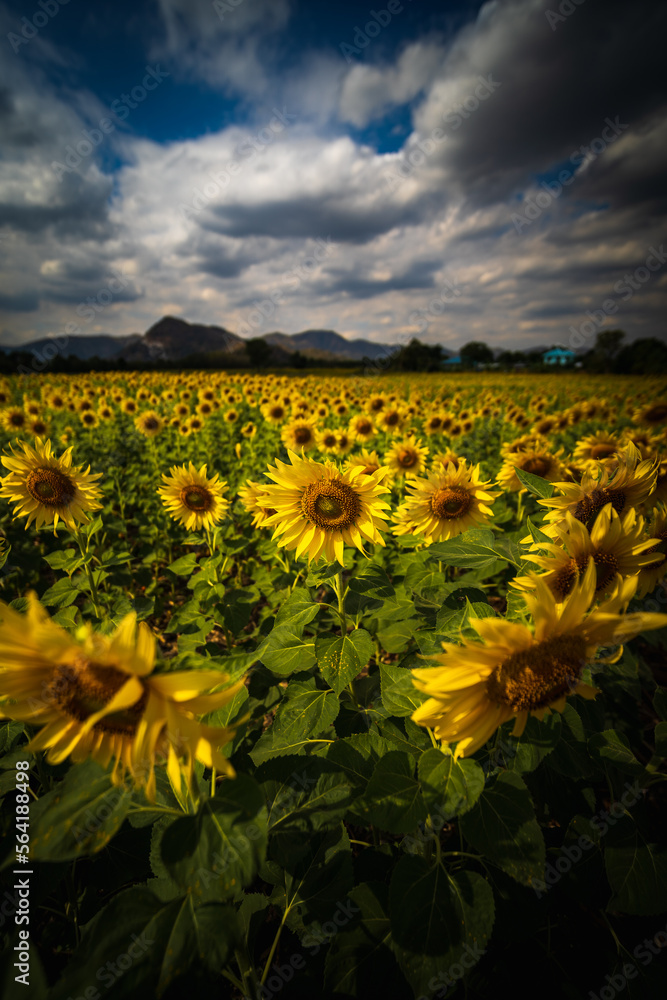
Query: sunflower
{"points": [[627, 486], [129, 406], [434, 424], [149, 423], [406, 458], [615, 544], [320, 509], [193, 499], [376, 404], [445, 458], [299, 434], [344, 443], [13, 419], [527, 442], [362, 428], [231, 416], [37, 427], [97, 696], [274, 413], [647, 443], [249, 430], [653, 414], [368, 460], [55, 401], [449, 501], [194, 424], [391, 420], [546, 425], [327, 440], [105, 412], [49, 489], [251, 496], [659, 494], [540, 463], [300, 408], [596, 447], [650, 576], [32, 407], [89, 419], [515, 672]]}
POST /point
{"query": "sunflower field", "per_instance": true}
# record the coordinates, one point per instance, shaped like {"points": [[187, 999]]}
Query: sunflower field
{"points": [[333, 686]]}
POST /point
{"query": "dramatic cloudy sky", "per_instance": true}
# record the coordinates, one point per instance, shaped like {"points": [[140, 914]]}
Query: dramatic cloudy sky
{"points": [[277, 164]]}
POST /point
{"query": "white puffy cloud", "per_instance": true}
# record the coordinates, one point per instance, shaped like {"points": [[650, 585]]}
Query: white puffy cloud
{"points": [[368, 91]]}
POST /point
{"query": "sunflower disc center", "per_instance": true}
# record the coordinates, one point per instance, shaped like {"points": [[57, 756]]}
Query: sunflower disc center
{"points": [[563, 581], [50, 487], [602, 451], [537, 466], [196, 498], [331, 504], [593, 502], [535, 677], [656, 414], [84, 687], [407, 458], [606, 565], [450, 503], [302, 435]]}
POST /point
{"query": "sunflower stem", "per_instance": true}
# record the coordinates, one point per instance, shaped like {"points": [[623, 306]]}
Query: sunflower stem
{"points": [[340, 594], [213, 777], [612, 931], [436, 841], [250, 986], [72, 904], [654, 763], [233, 980], [274, 946], [89, 573]]}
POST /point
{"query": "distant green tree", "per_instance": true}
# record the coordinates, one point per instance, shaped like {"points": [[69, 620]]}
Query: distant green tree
{"points": [[299, 360], [476, 353], [417, 357], [643, 357], [259, 352], [509, 358], [607, 345]]}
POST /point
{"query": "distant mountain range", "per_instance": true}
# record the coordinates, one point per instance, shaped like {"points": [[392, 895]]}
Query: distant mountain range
{"points": [[173, 339]]}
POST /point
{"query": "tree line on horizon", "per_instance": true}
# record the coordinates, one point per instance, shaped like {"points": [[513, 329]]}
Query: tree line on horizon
{"points": [[609, 355]]}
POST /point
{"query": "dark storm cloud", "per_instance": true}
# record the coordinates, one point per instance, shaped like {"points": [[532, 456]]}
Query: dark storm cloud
{"points": [[339, 282], [224, 267], [20, 301], [73, 293], [331, 216], [557, 88]]}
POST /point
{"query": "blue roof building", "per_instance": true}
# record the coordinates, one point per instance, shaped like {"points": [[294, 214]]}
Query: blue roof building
{"points": [[558, 356], [455, 360]]}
